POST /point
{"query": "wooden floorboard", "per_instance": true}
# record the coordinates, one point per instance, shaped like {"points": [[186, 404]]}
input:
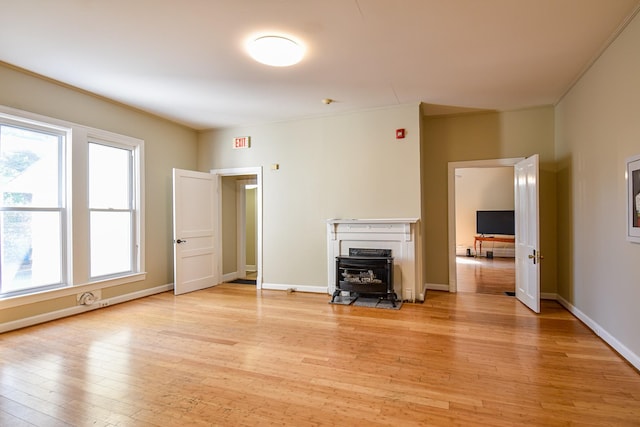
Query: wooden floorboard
{"points": [[486, 275], [232, 356]]}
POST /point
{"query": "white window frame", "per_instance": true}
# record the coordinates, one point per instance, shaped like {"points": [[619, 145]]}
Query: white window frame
{"points": [[76, 212], [65, 134], [135, 147]]}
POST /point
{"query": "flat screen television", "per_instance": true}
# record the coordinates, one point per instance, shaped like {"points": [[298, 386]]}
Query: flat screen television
{"points": [[495, 222]]}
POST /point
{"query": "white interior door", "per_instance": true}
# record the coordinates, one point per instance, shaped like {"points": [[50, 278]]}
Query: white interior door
{"points": [[527, 233], [195, 263]]}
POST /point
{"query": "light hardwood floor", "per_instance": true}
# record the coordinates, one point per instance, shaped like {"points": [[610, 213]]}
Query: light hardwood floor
{"points": [[230, 356], [486, 275]]}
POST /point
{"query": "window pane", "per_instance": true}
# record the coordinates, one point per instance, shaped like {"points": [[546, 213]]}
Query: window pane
{"points": [[31, 255], [109, 177], [110, 243], [29, 168]]}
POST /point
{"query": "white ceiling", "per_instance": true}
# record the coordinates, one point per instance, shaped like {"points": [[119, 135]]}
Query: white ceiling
{"points": [[184, 60]]}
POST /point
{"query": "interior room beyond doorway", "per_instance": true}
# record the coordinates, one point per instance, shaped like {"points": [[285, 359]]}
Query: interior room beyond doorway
{"points": [[486, 275], [239, 228], [490, 266]]}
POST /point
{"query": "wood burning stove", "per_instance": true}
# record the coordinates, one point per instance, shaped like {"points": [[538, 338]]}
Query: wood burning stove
{"points": [[366, 272]]}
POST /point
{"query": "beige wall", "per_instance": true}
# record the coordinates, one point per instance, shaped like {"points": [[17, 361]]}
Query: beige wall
{"points": [[167, 145], [598, 127], [481, 137], [480, 189], [343, 166]]}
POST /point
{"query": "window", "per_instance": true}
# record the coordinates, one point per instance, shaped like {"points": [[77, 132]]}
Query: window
{"points": [[71, 210], [32, 226], [111, 210]]}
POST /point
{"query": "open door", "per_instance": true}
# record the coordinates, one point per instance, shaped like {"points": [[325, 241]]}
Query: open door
{"points": [[195, 263], [527, 233]]}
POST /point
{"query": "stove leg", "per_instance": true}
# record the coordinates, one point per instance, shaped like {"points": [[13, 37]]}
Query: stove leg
{"points": [[390, 297]]}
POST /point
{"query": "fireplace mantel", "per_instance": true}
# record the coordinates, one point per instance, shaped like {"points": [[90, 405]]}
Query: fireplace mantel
{"points": [[401, 235], [374, 225]]}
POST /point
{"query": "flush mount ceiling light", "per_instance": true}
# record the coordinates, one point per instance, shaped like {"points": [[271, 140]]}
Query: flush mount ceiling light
{"points": [[276, 51]]}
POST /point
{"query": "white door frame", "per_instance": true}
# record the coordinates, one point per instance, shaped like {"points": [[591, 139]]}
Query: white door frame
{"points": [[257, 172], [492, 163]]}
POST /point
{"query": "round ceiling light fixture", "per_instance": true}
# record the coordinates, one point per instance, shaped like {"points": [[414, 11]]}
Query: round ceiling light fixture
{"points": [[276, 51]]}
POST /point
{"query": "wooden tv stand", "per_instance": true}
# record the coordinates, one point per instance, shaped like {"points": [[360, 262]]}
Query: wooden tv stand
{"points": [[481, 239]]}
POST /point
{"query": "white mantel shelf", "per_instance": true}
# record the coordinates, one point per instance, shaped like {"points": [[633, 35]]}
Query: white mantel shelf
{"points": [[373, 221], [390, 225], [401, 235]]}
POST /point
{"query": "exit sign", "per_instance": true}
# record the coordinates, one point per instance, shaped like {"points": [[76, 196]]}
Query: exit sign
{"points": [[241, 142]]}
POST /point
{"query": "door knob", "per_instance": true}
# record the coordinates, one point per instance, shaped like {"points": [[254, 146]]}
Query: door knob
{"points": [[536, 257], [181, 241]]}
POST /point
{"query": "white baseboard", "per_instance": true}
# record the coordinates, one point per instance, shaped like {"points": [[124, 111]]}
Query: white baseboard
{"points": [[629, 355], [296, 288], [436, 287], [45, 317]]}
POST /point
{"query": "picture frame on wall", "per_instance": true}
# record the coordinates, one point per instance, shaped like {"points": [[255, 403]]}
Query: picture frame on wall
{"points": [[633, 199]]}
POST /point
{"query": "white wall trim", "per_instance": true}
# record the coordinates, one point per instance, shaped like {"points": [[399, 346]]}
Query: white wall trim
{"points": [[59, 314], [627, 354], [296, 288], [436, 287]]}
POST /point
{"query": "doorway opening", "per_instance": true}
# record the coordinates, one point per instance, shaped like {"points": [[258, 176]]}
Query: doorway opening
{"points": [[238, 231], [240, 225], [247, 230], [485, 230], [480, 266]]}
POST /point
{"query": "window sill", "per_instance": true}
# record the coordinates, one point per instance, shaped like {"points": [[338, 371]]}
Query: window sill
{"points": [[69, 290]]}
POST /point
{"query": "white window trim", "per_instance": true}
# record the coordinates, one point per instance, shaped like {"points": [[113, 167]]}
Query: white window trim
{"points": [[137, 148], [76, 158]]}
